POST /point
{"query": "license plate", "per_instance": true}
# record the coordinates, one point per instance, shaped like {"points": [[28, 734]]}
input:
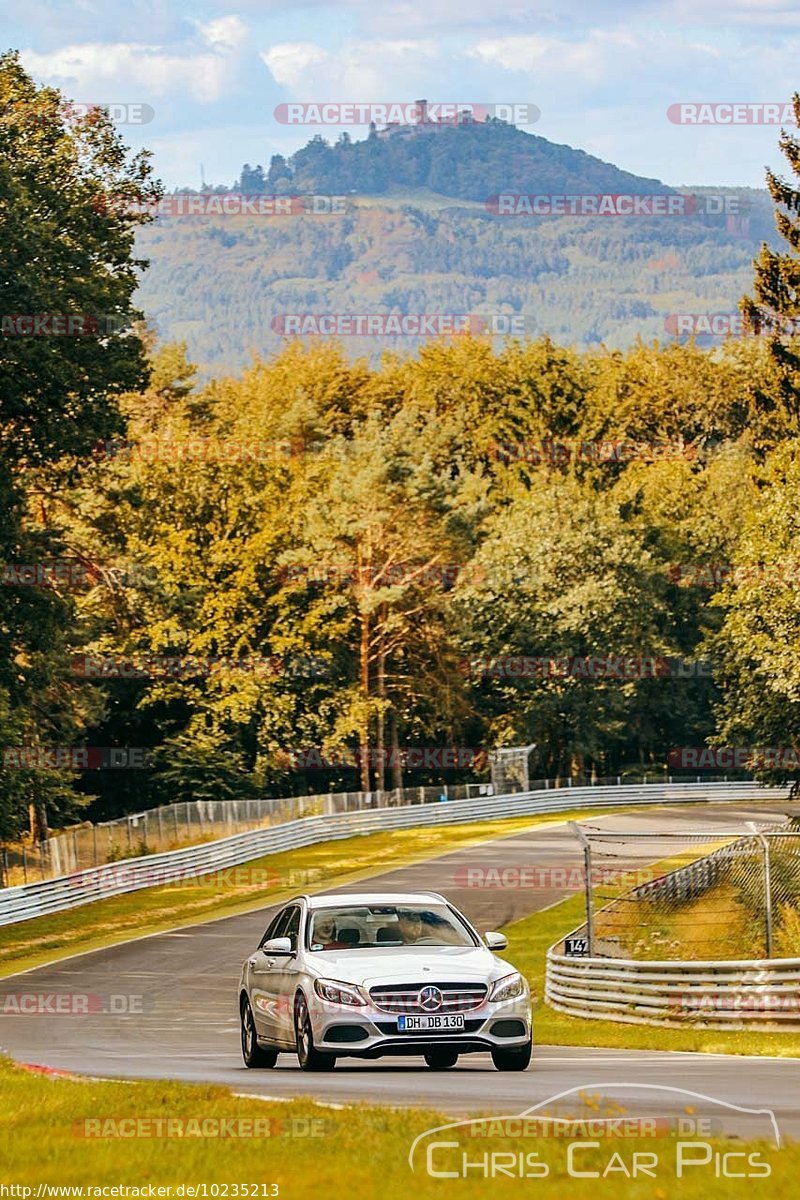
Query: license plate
{"points": [[407, 1024]]}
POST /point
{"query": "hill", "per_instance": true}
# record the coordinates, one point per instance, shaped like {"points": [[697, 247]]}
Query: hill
{"points": [[470, 162], [418, 237]]}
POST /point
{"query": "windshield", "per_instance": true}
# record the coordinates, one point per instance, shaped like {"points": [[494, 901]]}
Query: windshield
{"points": [[386, 925]]}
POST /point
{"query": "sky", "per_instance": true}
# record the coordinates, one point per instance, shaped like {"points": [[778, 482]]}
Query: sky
{"points": [[603, 75]]}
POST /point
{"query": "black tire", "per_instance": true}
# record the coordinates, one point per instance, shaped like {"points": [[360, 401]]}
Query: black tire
{"points": [[512, 1058], [309, 1058], [441, 1060], [253, 1054]]}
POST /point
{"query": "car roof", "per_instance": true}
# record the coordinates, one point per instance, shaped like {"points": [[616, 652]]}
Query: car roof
{"points": [[329, 899]]}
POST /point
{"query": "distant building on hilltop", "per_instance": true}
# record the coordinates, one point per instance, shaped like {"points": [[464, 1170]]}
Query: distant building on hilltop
{"points": [[425, 124]]}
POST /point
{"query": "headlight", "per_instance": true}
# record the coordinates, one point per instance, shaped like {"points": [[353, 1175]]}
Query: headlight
{"points": [[507, 988], [338, 993]]}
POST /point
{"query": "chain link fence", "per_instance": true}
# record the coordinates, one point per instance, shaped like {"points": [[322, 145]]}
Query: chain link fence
{"points": [[703, 896], [184, 824]]}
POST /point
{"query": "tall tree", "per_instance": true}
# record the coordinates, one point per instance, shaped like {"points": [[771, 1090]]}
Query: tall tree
{"points": [[775, 310], [70, 200]]}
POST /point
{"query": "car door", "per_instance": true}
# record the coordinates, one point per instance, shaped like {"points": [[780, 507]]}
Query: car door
{"points": [[287, 972], [264, 980]]}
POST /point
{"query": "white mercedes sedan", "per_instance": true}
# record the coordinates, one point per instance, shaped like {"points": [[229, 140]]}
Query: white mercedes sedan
{"points": [[368, 975]]}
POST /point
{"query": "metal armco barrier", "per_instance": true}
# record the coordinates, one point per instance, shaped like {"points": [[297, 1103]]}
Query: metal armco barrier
{"points": [[728, 994], [55, 895], [762, 994]]}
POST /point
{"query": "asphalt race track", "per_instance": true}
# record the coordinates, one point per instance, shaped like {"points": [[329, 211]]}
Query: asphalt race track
{"points": [[183, 985]]}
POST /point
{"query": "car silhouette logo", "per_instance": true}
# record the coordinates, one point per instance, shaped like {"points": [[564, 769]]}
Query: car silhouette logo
{"points": [[430, 998]]}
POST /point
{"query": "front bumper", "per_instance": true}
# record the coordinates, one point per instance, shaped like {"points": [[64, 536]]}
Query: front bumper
{"points": [[370, 1032]]}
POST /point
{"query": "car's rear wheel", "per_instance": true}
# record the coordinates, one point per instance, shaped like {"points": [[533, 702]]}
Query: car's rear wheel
{"points": [[253, 1054], [441, 1060], [512, 1058], [308, 1056]]}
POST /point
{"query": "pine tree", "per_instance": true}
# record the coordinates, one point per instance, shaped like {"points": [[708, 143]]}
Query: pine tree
{"points": [[776, 307]]}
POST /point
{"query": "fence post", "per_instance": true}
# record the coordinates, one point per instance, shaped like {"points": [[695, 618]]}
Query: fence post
{"points": [[587, 886], [767, 888]]}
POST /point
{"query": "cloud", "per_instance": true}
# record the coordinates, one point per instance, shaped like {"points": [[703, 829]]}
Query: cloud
{"points": [[226, 35], [359, 70], [291, 62], [102, 72], [596, 57]]}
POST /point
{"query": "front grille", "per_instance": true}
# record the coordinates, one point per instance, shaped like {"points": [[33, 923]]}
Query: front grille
{"points": [[404, 997]]}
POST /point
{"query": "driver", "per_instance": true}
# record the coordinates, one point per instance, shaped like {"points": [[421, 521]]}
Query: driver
{"points": [[325, 932]]}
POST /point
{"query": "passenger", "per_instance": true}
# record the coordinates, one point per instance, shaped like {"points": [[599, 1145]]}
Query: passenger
{"points": [[410, 922]]}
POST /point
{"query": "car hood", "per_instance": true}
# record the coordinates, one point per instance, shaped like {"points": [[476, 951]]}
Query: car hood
{"points": [[428, 964]]}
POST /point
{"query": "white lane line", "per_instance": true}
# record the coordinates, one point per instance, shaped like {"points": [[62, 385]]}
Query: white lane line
{"points": [[288, 1099], [693, 1056], [168, 1056]]}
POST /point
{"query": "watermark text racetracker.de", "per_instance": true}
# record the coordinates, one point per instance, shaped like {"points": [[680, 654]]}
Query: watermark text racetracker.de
{"points": [[717, 574], [616, 204], [596, 667], [114, 876], [735, 758], [377, 575], [76, 758], [684, 112], [226, 204], [549, 452], [155, 449], [72, 1004], [42, 113], [434, 114], [722, 324], [411, 758], [196, 666], [124, 1128], [529, 877], [416, 325], [75, 574]]}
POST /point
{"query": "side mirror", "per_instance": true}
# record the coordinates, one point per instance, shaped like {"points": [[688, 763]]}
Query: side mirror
{"points": [[280, 945], [495, 941]]}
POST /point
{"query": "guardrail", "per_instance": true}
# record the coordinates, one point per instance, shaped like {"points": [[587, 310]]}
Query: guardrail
{"points": [[727, 994], [762, 993], [54, 895]]}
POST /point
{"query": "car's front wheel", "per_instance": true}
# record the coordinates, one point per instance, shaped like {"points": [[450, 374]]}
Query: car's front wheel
{"points": [[512, 1058], [441, 1060], [308, 1056], [253, 1054]]}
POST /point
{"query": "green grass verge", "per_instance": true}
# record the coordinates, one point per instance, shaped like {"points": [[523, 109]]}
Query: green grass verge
{"points": [[254, 885], [528, 943], [309, 1150]]}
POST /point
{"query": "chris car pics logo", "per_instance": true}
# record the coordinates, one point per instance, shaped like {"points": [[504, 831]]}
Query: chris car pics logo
{"points": [[691, 1135]]}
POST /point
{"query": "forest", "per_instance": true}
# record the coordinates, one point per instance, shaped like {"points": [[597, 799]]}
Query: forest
{"points": [[324, 572]]}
